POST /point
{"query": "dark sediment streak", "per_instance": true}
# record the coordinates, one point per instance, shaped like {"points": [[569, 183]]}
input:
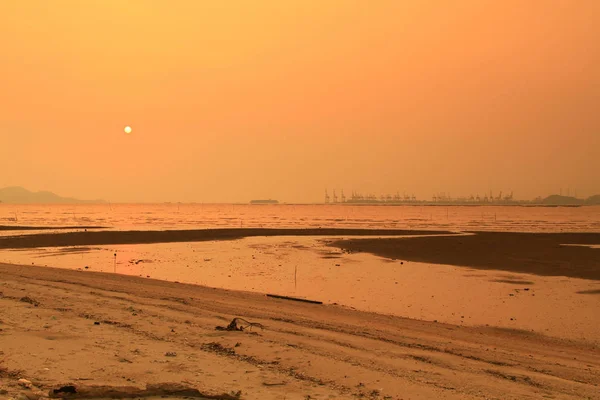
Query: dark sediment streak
{"points": [[144, 237], [534, 253], [276, 296]]}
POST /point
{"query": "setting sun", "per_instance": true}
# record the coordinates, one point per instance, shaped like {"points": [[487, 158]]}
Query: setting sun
{"points": [[127, 129]]}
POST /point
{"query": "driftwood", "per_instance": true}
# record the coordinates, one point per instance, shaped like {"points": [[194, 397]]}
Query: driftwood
{"points": [[239, 324], [276, 296]]}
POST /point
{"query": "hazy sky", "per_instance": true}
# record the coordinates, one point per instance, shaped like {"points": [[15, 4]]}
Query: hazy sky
{"points": [[235, 100]]}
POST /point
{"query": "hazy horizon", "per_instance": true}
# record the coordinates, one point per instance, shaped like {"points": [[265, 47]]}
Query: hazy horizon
{"points": [[232, 101], [24, 193]]}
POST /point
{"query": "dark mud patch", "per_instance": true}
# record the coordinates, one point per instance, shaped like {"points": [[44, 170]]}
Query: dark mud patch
{"points": [[533, 253], [515, 378], [161, 390], [513, 281], [593, 291]]}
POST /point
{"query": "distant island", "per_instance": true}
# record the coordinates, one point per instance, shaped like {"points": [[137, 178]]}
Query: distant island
{"points": [[19, 195], [268, 201], [556, 199]]}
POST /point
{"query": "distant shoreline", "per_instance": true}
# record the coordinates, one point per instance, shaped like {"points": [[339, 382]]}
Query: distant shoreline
{"points": [[377, 204], [430, 204], [45, 228]]}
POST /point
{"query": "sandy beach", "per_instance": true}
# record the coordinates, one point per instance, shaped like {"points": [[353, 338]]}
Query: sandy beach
{"points": [[103, 332], [84, 328]]}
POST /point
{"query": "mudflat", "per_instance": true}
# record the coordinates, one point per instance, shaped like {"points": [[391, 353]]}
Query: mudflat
{"points": [[85, 238], [546, 254]]}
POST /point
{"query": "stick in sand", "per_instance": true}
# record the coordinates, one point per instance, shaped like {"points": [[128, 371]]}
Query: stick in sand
{"points": [[276, 296], [115, 263]]}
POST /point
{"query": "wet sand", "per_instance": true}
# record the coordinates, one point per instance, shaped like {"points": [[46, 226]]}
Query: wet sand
{"points": [[151, 331], [542, 254], [546, 254], [307, 267]]}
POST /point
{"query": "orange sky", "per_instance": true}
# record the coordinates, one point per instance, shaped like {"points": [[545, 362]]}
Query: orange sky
{"points": [[234, 100]]}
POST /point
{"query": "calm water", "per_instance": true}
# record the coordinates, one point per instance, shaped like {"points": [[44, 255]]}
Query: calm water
{"points": [[190, 216]]}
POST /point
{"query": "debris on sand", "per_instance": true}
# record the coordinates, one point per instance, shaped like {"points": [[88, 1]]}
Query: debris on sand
{"points": [[29, 300], [218, 348], [239, 324], [274, 383], [25, 383], [136, 262]]}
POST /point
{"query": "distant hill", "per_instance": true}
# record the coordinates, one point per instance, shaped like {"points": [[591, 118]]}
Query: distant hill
{"points": [[558, 200], [593, 200], [19, 195]]}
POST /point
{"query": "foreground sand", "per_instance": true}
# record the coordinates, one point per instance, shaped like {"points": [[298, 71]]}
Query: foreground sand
{"points": [[49, 336]]}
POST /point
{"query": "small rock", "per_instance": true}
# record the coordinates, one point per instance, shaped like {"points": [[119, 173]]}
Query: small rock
{"points": [[25, 383], [171, 354], [3, 391], [96, 323], [36, 395]]}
